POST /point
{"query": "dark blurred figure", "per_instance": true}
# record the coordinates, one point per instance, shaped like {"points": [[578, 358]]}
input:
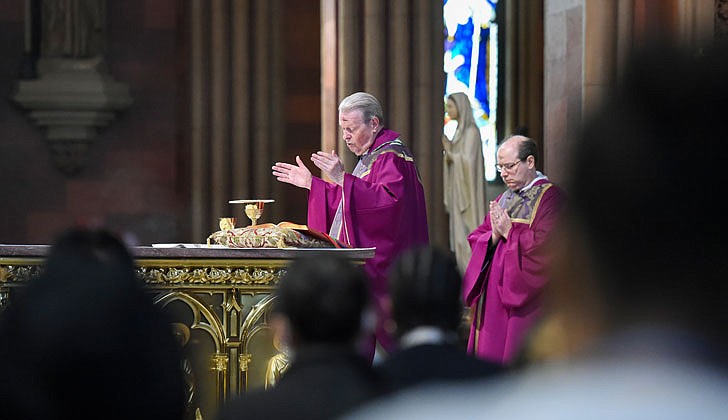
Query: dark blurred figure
{"points": [[425, 288], [640, 255], [84, 341], [319, 308], [639, 267]]}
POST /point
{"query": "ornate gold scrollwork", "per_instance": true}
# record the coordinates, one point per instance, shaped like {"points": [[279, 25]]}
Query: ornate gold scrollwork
{"points": [[219, 362], [209, 275], [18, 273], [244, 359], [218, 275], [232, 302]]}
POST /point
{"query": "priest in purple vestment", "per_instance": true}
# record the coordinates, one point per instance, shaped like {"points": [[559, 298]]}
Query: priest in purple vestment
{"points": [[380, 204], [505, 277]]}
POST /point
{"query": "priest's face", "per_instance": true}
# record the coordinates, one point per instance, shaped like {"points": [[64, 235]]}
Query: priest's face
{"points": [[515, 172], [358, 134]]}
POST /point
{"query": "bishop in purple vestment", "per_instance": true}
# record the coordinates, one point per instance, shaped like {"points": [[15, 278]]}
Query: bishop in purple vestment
{"points": [[504, 280], [380, 204]]}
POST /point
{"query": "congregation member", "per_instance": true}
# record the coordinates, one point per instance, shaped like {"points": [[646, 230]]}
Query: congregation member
{"points": [[83, 340], [504, 281], [380, 204], [319, 308], [425, 292]]}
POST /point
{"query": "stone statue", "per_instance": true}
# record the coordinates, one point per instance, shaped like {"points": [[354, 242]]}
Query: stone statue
{"points": [[71, 94], [73, 28], [278, 364], [464, 177]]}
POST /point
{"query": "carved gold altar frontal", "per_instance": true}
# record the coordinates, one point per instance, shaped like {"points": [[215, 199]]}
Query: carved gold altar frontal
{"points": [[219, 300]]}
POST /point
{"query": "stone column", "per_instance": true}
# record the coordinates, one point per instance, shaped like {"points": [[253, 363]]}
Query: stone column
{"points": [[236, 107]]}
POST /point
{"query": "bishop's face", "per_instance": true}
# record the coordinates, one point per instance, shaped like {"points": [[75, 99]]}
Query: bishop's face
{"points": [[358, 134]]}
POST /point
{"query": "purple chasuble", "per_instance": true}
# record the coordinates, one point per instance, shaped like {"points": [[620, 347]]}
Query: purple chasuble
{"points": [[505, 282], [382, 206]]}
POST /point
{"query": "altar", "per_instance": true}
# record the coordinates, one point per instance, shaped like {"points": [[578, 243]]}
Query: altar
{"points": [[219, 299]]}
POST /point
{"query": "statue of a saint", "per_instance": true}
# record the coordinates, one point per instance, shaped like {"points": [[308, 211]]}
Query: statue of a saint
{"points": [[464, 177], [73, 28], [278, 364]]}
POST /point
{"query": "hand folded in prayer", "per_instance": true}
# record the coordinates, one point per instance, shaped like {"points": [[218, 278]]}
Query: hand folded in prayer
{"points": [[500, 221]]}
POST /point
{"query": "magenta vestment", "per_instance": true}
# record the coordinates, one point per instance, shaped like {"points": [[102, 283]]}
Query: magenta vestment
{"points": [[512, 274], [383, 207]]}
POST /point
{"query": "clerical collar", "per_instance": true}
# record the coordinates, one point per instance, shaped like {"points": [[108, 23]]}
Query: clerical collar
{"points": [[426, 335], [539, 176]]}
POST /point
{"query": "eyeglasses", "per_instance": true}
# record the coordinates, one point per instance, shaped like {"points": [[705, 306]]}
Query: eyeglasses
{"points": [[507, 166]]}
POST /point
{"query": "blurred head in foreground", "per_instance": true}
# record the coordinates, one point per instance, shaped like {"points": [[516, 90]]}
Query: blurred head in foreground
{"points": [[322, 301], [83, 340], [425, 287], [641, 243]]}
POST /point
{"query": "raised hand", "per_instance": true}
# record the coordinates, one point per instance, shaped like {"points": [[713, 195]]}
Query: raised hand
{"points": [[331, 165], [297, 175]]}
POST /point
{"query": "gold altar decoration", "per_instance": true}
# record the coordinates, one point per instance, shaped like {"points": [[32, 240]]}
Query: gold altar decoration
{"points": [[269, 235], [219, 300], [227, 223]]}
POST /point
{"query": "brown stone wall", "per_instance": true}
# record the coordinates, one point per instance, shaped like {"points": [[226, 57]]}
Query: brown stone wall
{"points": [[132, 183], [136, 182]]}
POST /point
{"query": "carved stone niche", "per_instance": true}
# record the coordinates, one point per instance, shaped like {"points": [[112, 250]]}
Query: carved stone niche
{"points": [[71, 100]]}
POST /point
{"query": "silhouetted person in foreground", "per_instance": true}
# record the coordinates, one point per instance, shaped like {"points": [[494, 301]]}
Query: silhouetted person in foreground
{"points": [[425, 287], [84, 341], [639, 267], [319, 308]]}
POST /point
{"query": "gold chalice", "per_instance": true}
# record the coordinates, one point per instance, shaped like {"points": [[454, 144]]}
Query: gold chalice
{"points": [[253, 212], [253, 208]]}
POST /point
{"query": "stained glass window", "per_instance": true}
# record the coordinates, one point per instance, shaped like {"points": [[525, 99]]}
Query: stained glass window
{"points": [[470, 64]]}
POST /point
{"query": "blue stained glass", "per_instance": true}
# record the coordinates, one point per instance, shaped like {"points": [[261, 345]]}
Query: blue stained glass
{"points": [[481, 81], [470, 64], [462, 45]]}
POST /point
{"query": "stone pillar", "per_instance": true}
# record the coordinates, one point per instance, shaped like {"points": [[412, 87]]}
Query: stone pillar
{"points": [[564, 45], [236, 107], [600, 51]]}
